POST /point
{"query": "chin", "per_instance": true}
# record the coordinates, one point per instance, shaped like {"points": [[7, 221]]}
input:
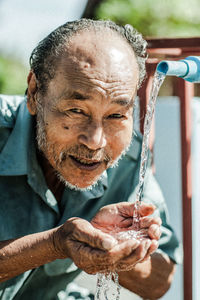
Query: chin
{"points": [[79, 186]]}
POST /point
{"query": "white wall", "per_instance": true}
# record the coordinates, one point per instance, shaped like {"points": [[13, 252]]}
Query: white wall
{"points": [[196, 197], [168, 172]]}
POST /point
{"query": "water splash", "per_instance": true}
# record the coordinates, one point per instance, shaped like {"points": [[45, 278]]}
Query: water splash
{"points": [[104, 283], [104, 280]]}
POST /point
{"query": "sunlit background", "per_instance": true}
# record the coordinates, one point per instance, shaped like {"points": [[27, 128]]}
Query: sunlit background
{"points": [[22, 25]]}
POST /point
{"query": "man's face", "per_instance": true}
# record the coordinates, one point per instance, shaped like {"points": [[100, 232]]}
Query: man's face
{"points": [[87, 110]]}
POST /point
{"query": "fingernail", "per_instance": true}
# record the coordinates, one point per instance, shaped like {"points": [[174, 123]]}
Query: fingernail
{"points": [[109, 243]]}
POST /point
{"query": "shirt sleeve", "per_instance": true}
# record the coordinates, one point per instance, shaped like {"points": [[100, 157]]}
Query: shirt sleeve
{"points": [[8, 110]]}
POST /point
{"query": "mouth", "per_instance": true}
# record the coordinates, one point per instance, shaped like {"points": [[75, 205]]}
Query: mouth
{"points": [[85, 164]]}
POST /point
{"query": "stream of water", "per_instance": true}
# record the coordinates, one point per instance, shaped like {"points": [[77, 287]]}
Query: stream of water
{"points": [[156, 85], [104, 280]]}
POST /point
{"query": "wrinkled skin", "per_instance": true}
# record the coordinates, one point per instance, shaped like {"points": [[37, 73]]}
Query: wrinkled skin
{"points": [[93, 249]]}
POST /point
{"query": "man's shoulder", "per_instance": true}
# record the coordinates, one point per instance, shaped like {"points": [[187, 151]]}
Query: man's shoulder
{"points": [[8, 109], [8, 112]]}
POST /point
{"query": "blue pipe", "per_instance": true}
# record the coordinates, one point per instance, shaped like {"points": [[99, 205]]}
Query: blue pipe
{"points": [[188, 68]]}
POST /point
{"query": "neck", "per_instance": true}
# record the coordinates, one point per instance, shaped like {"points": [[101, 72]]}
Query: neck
{"points": [[53, 183]]}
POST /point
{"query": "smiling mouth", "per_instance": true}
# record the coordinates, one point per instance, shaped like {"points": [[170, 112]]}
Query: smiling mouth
{"points": [[85, 164]]}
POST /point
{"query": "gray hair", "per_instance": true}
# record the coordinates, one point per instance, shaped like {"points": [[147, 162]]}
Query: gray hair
{"points": [[44, 57]]}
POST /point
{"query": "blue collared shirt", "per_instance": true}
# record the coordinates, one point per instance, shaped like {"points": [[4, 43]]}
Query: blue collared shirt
{"points": [[28, 205]]}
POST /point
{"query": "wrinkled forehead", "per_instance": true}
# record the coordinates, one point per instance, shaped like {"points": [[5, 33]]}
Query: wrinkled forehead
{"points": [[105, 53]]}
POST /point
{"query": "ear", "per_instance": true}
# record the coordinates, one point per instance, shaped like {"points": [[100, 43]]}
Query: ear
{"points": [[31, 93]]}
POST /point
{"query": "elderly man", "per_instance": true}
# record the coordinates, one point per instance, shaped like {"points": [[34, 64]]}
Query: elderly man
{"points": [[61, 198]]}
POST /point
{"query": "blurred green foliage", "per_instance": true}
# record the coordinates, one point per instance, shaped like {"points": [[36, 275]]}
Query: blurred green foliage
{"points": [[12, 76], [155, 18]]}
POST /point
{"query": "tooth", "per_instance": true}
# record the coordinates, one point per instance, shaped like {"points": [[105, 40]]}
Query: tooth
{"points": [[83, 161]]}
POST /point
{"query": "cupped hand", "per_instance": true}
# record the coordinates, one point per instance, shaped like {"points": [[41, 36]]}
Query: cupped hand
{"points": [[87, 246], [119, 217], [93, 249]]}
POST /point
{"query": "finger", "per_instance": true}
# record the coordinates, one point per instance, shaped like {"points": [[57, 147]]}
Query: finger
{"points": [[126, 222], [94, 260], [146, 209], [94, 269], [146, 222], [135, 257], [153, 247], [86, 233], [138, 254], [89, 259], [127, 209], [154, 232], [123, 250]]}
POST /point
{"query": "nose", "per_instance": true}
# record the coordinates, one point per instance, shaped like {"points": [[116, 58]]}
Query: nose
{"points": [[93, 137]]}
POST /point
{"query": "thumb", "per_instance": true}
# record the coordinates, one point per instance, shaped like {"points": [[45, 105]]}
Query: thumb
{"points": [[96, 238]]}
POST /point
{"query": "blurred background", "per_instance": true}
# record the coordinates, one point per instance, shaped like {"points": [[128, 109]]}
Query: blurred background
{"points": [[24, 23]]}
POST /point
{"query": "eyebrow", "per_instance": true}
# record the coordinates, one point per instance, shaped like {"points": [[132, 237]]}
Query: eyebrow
{"points": [[124, 102], [76, 95]]}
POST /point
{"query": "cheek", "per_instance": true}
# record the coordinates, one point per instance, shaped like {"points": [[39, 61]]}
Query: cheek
{"points": [[120, 136], [61, 131], [64, 126]]}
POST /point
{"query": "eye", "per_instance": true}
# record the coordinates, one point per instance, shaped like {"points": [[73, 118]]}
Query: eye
{"points": [[76, 110], [115, 116]]}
